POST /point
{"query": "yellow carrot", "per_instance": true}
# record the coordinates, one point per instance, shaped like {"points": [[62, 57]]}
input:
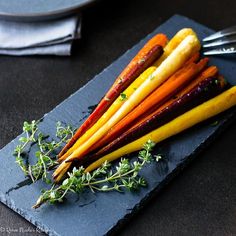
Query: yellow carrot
{"points": [[111, 110], [173, 43], [63, 168], [198, 114]]}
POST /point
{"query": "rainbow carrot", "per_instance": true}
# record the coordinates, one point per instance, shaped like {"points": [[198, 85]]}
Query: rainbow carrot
{"points": [[198, 114], [173, 85], [116, 105], [173, 43], [110, 112], [151, 51], [185, 50], [205, 90]]}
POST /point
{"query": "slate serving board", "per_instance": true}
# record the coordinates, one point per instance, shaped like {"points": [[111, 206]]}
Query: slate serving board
{"points": [[102, 213]]}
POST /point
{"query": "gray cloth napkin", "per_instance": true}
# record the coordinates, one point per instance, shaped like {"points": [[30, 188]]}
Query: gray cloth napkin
{"points": [[53, 37]]}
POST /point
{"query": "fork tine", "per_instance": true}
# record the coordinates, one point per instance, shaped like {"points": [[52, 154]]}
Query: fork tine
{"points": [[222, 33], [226, 40], [228, 49]]}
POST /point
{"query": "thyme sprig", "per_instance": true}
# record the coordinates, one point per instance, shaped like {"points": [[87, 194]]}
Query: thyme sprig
{"points": [[46, 153], [124, 176], [30, 130]]}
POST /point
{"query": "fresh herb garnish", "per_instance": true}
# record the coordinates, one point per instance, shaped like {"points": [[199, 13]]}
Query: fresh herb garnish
{"points": [[30, 130], [124, 176], [142, 60], [107, 99], [151, 77], [46, 153], [120, 80], [215, 123], [123, 96], [205, 89], [158, 157]]}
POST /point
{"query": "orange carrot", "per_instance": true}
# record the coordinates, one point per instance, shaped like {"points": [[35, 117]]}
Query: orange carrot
{"points": [[210, 71], [153, 101], [151, 51], [194, 58]]}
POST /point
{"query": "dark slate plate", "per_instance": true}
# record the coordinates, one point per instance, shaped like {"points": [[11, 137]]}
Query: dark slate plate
{"points": [[101, 213]]}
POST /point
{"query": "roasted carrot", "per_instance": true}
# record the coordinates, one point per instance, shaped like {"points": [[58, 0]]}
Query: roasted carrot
{"points": [[194, 58], [211, 71], [205, 90], [173, 43], [151, 51], [111, 110], [173, 85], [116, 105], [198, 114], [208, 73], [185, 50]]}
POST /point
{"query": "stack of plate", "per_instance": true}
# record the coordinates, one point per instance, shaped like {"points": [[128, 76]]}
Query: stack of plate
{"points": [[33, 10]]}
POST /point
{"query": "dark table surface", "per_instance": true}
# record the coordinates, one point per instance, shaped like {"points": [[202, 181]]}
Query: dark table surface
{"points": [[202, 199]]}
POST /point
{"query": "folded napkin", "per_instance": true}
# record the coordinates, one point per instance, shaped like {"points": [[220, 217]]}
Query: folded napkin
{"points": [[52, 37]]}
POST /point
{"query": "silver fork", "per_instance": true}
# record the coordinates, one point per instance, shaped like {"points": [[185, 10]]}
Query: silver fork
{"points": [[221, 43]]}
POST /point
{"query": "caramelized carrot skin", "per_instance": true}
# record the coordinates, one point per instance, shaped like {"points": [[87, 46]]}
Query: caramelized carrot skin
{"points": [[141, 62], [173, 85], [206, 89]]}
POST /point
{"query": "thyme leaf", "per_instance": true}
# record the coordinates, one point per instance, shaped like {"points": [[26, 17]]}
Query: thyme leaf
{"points": [[123, 97]]}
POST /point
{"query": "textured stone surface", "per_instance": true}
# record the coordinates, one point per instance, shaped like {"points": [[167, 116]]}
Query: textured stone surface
{"points": [[87, 215]]}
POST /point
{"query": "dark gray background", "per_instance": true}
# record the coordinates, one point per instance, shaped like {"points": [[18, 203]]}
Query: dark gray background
{"points": [[201, 200]]}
